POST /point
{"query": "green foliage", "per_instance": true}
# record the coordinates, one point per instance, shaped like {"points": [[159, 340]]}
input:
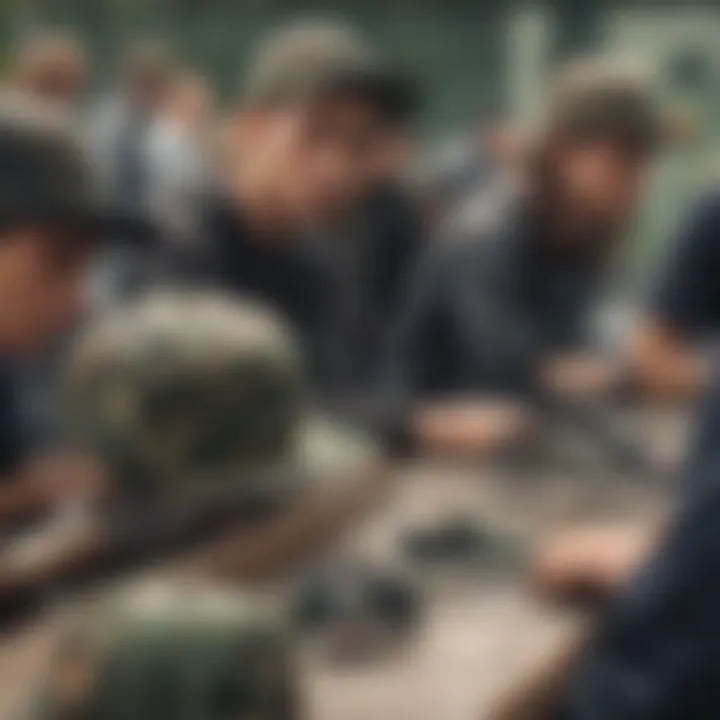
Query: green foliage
{"points": [[456, 46]]}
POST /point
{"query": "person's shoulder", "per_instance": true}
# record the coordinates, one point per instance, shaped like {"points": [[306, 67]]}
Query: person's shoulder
{"points": [[453, 253], [105, 113], [164, 136], [697, 235], [482, 220], [452, 163], [170, 143], [705, 206], [196, 257]]}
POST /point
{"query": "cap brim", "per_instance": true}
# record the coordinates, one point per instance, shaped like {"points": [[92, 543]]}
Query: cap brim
{"points": [[106, 226]]}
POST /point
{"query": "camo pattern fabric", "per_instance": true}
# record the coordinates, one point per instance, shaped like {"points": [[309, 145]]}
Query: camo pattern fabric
{"points": [[187, 390], [303, 60], [164, 650]]}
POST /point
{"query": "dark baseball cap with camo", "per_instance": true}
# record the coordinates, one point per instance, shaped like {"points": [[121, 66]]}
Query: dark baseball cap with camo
{"points": [[195, 395], [309, 60], [46, 178]]}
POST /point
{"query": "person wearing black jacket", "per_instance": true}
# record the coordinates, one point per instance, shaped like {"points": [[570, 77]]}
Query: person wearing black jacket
{"points": [[316, 101], [495, 324], [373, 254], [50, 226]]}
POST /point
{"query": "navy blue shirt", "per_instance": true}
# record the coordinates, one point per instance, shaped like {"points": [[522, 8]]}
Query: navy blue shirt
{"points": [[687, 299], [657, 655], [687, 296], [288, 274], [490, 300], [16, 439]]}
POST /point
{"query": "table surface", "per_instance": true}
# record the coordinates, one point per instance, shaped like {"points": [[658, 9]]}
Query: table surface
{"points": [[480, 634]]}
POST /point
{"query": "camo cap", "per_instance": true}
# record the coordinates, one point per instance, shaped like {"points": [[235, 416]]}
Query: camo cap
{"points": [[195, 394], [167, 649], [602, 99], [309, 60]]}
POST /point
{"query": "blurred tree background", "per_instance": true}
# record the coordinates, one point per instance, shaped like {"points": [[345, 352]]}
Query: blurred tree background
{"points": [[474, 57], [456, 45]]}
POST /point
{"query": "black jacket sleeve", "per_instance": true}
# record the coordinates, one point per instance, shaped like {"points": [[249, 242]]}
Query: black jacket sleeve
{"points": [[687, 294], [657, 654]]}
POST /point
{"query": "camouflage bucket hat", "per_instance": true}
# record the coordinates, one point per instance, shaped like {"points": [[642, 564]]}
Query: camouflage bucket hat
{"points": [[197, 395], [167, 649]]}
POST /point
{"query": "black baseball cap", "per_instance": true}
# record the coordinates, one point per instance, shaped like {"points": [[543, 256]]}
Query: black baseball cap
{"points": [[46, 179]]}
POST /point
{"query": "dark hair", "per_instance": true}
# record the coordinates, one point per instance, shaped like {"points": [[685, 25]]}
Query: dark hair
{"points": [[403, 99]]}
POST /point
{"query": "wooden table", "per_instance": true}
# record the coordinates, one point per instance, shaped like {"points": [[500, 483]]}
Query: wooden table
{"points": [[480, 635]]}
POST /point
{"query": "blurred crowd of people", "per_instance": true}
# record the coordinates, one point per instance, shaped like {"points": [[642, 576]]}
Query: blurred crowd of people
{"points": [[448, 306]]}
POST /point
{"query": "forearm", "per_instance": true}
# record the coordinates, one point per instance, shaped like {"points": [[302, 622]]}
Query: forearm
{"points": [[585, 565], [469, 427], [461, 427], [676, 378], [667, 368]]}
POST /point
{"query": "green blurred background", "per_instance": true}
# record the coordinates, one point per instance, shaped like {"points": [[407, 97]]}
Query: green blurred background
{"points": [[474, 58]]}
